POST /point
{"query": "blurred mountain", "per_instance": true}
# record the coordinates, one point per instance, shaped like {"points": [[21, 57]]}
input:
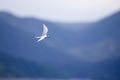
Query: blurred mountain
{"points": [[17, 67], [78, 40], [71, 48]]}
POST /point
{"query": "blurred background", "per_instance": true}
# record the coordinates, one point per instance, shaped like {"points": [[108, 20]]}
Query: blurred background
{"points": [[84, 41]]}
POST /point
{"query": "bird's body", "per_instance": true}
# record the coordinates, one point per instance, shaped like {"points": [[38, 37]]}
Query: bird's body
{"points": [[44, 34]]}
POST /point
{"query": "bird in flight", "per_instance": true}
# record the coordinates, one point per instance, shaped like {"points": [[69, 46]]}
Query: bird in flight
{"points": [[44, 33]]}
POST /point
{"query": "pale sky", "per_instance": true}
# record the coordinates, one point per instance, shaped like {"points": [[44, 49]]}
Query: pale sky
{"points": [[62, 10]]}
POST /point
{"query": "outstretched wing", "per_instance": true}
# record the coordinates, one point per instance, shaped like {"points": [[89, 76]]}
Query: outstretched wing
{"points": [[44, 34], [45, 30], [41, 38]]}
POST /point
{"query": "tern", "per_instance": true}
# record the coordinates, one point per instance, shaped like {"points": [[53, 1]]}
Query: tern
{"points": [[44, 33]]}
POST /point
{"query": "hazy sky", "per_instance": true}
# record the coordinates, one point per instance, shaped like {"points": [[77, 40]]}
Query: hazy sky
{"points": [[62, 10]]}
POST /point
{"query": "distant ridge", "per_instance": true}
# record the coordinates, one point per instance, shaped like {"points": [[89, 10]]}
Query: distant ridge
{"points": [[93, 45]]}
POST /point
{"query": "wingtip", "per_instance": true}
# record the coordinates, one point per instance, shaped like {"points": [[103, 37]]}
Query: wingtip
{"points": [[44, 25], [38, 41], [37, 37]]}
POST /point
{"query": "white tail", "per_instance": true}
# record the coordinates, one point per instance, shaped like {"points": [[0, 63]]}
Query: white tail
{"points": [[38, 37]]}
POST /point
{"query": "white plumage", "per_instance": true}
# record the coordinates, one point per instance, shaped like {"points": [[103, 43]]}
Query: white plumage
{"points": [[44, 33]]}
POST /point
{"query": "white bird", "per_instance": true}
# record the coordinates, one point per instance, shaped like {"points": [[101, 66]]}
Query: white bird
{"points": [[44, 33]]}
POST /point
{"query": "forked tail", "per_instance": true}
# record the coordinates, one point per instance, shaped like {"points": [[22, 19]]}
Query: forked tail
{"points": [[38, 37]]}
